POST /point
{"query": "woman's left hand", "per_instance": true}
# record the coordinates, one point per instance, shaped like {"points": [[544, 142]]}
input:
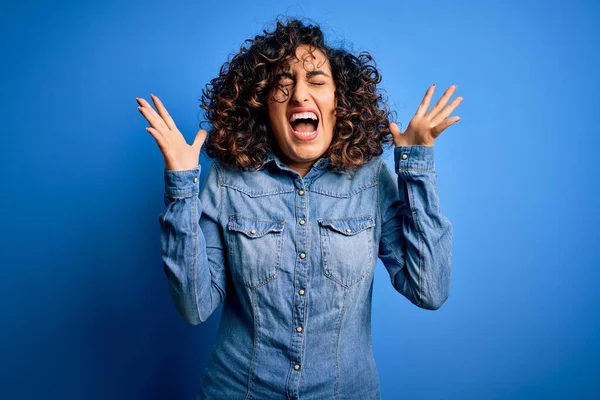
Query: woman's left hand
{"points": [[425, 126]]}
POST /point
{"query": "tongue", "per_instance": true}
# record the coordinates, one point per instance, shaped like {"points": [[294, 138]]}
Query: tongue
{"points": [[305, 127]]}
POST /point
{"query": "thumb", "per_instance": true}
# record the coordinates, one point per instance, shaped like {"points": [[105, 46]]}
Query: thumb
{"points": [[399, 138], [199, 140]]}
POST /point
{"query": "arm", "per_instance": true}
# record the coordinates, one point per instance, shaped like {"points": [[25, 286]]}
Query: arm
{"points": [[416, 238], [192, 247]]}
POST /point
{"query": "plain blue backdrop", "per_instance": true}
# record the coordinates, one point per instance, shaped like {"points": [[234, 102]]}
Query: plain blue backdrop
{"points": [[86, 313]]}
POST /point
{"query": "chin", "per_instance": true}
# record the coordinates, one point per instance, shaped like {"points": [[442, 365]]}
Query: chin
{"points": [[309, 154]]}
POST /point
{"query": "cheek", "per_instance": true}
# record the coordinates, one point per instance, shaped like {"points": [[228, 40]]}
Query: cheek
{"points": [[331, 111], [330, 102], [275, 113]]}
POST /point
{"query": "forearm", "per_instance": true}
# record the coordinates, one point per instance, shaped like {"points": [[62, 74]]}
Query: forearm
{"points": [[192, 279], [427, 232]]}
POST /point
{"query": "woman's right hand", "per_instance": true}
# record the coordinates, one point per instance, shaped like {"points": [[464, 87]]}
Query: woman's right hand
{"points": [[178, 155]]}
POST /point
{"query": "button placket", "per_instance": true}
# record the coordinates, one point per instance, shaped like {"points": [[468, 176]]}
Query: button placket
{"points": [[301, 280]]}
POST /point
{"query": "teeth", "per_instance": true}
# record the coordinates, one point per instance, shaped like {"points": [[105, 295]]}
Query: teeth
{"points": [[303, 115]]}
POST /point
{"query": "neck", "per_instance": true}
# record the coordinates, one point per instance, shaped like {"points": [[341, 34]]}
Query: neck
{"points": [[302, 169]]}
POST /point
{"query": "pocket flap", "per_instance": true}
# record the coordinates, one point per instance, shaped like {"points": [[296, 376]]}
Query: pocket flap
{"points": [[254, 227], [349, 226]]}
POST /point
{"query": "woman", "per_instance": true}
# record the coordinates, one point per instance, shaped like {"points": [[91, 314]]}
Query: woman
{"points": [[295, 210]]}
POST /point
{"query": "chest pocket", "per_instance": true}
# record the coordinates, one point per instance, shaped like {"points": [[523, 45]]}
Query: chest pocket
{"points": [[347, 248], [254, 249]]}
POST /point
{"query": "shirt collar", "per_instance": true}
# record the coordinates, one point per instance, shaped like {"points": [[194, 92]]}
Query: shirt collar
{"points": [[321, 163]]}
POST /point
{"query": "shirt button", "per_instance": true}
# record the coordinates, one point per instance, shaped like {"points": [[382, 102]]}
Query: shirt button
{"points": [[253, 231], [301, 192], [404, 156], [348, 230], [301, 292], [297, 367], [195, 179], [303, 255], [299, 329], [302, 222]]}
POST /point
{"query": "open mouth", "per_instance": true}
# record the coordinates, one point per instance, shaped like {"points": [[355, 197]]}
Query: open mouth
{"points": [[304, 124]]}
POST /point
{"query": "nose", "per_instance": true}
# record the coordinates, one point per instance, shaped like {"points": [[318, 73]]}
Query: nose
{"points": [[300, 92]]}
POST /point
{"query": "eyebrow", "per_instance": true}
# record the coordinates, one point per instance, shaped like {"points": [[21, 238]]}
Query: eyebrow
{"points": [[309, 74], [317, 72]]}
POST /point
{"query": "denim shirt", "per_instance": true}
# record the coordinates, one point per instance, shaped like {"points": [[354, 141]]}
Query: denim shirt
{"points": [[291, 259]]}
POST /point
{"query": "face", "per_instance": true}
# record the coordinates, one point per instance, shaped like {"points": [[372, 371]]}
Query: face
{"points": [[302, 109]]}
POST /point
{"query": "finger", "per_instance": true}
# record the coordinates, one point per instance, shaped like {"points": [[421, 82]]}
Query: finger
{"points": [[153, 118], [162, 111], [399, 137], [148, 112], [442, 101], [446, 111], [160, 140], [424, 106], [438, 129], [199, 140], [394, 129]]}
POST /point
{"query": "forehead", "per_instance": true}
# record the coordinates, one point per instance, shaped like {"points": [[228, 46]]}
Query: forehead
{"points": [[307, 58]]}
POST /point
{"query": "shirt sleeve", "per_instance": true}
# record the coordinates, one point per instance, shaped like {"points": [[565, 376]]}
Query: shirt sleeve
{"points": [[416, 238], [192, 243]]}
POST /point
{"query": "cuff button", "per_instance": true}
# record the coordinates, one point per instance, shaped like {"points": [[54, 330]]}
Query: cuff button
{"points": [[195, 179], [404, 156]]}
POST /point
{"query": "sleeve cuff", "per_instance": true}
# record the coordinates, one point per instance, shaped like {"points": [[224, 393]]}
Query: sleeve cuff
{"points": [[415, 157], [183, 183]]}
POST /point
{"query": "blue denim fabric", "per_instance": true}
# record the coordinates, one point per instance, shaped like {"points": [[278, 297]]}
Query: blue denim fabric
{"points": [[292, 260]]}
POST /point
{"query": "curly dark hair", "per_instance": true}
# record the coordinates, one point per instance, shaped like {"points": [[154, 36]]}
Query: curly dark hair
{"points": [[235, 102]]}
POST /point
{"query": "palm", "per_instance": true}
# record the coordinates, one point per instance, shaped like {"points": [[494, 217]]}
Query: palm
{"points": [[177, 153], [426, 126]]}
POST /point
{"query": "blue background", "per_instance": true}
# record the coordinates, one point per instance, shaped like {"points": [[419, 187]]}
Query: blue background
{"points": [[85, 309]]}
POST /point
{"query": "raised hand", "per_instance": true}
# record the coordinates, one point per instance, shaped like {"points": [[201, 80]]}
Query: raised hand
{"points": [[178, 155], [425, 126]]}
